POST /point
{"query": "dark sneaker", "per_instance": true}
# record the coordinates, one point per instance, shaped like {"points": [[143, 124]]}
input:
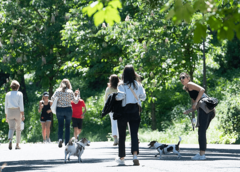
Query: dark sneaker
{"points": [[136, 162], [60, 143], [10, 145]]}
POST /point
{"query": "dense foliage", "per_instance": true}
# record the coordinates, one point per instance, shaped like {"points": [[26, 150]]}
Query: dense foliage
{"points": [[43, 42]]}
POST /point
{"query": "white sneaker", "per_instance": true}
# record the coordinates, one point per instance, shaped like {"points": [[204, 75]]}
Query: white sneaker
{"points": [[48, 140], [119, 161], [199, 157]]}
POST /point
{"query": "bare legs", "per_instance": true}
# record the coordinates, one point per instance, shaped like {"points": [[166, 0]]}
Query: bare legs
{"points": [[46, 130], [77, 131]]}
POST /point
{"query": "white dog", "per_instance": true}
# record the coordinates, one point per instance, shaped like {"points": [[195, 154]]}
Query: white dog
{"points": [[76, 148], [165, 149]]}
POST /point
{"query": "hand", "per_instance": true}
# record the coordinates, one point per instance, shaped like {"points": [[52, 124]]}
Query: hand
{"points": [[188, 111], [49, 111], [23, 118]]}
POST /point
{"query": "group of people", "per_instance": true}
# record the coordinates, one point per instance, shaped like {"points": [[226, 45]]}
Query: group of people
{"points": [[69, 107]]}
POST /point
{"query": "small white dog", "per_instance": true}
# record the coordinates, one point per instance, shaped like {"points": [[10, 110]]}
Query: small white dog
{"points": [[76, 148], [165, 149]]}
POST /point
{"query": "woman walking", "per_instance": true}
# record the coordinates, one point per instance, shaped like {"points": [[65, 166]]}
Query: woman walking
{"points": [[205, 115], [78, 115], [14, 111], [130, 92], [112, 88], [64, 109], [46, 117]]}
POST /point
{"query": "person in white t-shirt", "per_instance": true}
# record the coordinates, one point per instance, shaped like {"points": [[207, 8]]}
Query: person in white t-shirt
{"points": [[14, 111]]}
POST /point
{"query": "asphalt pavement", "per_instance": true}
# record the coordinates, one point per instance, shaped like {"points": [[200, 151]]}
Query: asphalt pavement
{"points": [[99, 156]]}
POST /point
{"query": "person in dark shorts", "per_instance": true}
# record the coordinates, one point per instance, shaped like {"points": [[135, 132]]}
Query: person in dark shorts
{"points": [[46, 116], [78, 115]]}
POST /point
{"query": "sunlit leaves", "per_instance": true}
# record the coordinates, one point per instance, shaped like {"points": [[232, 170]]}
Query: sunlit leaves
{"points": [[109, 13]]}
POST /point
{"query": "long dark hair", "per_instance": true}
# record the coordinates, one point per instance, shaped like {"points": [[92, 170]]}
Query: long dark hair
{"points": [[113, 81], [129, 75]]}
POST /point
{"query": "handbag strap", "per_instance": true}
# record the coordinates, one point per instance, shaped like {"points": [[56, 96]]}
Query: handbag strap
{"points": [[133, 93]]}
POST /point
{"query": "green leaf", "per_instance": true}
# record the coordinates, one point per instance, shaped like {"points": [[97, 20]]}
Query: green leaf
{"points": [[115, 4], [99, 17]]}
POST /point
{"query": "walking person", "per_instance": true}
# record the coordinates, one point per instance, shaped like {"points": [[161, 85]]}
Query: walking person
{"points": [[14, 110], [64, 109], [205, 115], [112, 88], [46, 117], [130, 92], [78, 115]]}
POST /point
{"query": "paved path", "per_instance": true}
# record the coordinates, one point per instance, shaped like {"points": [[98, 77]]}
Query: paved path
{"points": [[100, 155]]}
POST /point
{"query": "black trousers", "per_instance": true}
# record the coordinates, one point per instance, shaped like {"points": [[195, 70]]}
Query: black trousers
{"points": [[131, 115], [204, 122], [122, 125]]}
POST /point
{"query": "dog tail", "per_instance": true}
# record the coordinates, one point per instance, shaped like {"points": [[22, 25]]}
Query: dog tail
{"points": [[180, 139]]}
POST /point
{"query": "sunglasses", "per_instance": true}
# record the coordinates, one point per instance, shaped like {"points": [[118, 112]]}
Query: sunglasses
{"points": [[182, 78]]}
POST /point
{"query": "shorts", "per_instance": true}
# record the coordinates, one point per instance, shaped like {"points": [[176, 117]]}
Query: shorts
{"points": [[77, 122], [45, 118]]}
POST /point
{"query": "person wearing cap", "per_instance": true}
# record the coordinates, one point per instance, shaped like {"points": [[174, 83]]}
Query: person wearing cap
{"points": [[46, 117], [14, 110]]}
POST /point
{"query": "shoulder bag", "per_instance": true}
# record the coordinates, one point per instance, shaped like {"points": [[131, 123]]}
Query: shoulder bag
{"points": [[140, 108], [54, 105]]}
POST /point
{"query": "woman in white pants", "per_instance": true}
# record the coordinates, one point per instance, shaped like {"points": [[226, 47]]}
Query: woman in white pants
{"points": [[14, 111], [112, 88]]}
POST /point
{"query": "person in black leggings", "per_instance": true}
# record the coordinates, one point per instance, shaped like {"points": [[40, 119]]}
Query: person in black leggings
{"points": [[196, 92], [46, 117]]}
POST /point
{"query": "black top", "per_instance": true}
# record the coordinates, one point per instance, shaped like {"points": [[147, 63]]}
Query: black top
{"points": [[193, 94], [45, 109]]}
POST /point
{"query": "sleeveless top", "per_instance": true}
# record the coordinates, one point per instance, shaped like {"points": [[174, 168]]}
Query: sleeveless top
{"points": [[193, 94], [45, 109]]}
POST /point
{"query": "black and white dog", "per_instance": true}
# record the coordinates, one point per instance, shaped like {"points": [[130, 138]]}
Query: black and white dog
{"points": [[166, 149], [76, 148]]}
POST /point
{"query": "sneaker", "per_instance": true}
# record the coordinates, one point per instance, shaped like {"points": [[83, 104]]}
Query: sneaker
{"points": [[60, 143], [119, 161], [48, 140], [115, 143], [10, 145], [44, 141], [136, 162], [199, 157]]}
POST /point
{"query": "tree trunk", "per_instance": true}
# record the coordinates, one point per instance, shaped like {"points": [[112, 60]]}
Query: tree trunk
{"points": [[154, 126], [22, 88], [204, 68]]}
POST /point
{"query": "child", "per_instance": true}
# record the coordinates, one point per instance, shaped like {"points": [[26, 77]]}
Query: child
{"points": [[78, 115], [46, 116]]}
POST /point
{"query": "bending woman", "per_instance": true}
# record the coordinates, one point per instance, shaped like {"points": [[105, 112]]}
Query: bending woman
{"points": [[205, 115], [127, 92]]}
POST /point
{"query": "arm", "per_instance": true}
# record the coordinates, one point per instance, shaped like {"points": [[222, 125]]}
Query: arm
{"points": [[201, 90], [106, 94], [85, 110], [142, 95], [22, 107], [6, 106], [121, 93], [40, 107], [74, 98], [49, 111]]}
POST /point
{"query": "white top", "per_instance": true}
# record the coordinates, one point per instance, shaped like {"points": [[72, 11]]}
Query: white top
{"points": [[125, 94], [14, 99]]}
